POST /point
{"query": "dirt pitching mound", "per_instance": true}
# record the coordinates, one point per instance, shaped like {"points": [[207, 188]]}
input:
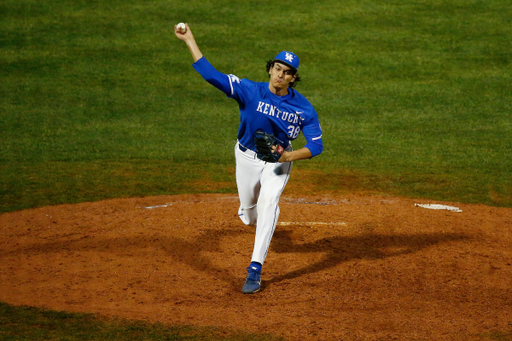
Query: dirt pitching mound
{"points": [[345, 267]]}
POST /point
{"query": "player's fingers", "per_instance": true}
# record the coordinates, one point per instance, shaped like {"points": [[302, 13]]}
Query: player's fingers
{"points": [[178, 33]]}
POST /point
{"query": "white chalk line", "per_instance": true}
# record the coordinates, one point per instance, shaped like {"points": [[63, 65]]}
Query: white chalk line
{"points": [[309, 223], [157, 206], [428, 206], [189, 202]]}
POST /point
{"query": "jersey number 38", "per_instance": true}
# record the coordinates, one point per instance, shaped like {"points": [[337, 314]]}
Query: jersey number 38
{"points": [[293, 132]]}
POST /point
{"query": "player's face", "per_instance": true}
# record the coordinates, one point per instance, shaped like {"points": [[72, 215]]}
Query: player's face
{"points": [[281, 76]]}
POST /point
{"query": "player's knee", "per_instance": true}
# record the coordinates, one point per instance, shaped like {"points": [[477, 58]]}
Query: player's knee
{"points": [[248, 216], [268, 200], [248, 220]]}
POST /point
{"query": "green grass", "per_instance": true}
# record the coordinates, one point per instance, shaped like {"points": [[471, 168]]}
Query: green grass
{"points": [[27, 323], [98, 99], [414, 95]]}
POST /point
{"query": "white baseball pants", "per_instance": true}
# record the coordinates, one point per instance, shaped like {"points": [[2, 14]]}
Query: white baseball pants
{"points": [[260, 185]]}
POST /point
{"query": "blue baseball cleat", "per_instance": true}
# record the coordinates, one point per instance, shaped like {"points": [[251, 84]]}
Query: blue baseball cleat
{"points": [[253, 282]]}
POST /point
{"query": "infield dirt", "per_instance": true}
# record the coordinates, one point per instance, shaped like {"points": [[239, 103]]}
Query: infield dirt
{"points": [[340, 267]]}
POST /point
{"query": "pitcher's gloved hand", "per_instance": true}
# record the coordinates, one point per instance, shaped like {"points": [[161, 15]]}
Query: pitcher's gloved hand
{"points": [[268, 147]]}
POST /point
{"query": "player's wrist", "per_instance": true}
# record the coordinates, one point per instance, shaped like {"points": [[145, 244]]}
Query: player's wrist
{"points": [[300, 154], [285, 157]]}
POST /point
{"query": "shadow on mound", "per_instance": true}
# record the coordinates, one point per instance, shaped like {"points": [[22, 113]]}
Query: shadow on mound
{"points": [[342, 249], [196, 252]]}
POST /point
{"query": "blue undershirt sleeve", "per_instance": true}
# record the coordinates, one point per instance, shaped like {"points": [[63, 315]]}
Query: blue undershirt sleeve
{"points": [[212, 76], [313, 134], [315, 147]]}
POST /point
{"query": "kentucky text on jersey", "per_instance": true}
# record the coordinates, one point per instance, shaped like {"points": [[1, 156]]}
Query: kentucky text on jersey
{"points": [[269, 109], [260, 109]]}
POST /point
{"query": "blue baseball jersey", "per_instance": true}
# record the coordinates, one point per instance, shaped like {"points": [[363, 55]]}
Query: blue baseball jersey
{"points": [[260, 109]]}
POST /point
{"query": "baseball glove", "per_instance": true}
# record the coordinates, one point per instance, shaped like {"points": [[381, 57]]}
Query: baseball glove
{"points": [[268, 147]]}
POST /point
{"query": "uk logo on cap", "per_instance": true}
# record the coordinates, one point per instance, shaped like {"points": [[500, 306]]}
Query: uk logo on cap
{"points": [[288, 58]]}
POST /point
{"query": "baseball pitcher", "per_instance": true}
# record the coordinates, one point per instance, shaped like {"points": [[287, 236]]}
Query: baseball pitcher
{"points": [[272, 114]]}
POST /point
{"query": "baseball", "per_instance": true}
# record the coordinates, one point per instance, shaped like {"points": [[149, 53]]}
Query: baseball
{"points": [[181, 27]]}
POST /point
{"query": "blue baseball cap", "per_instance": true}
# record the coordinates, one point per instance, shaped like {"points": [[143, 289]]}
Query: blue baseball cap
{"points": [[288, 58]]}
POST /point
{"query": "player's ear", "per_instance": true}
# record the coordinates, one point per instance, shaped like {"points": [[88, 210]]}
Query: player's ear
{"points": [[270, 65]]}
